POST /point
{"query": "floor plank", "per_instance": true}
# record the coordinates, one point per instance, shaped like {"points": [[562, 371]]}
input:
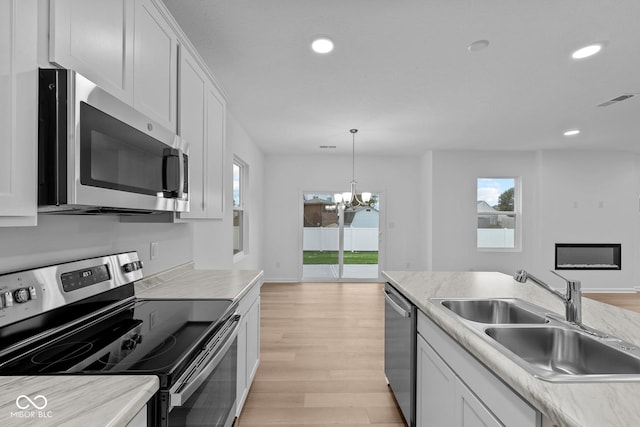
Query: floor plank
{"points": [[322, 358], [629, 301]]}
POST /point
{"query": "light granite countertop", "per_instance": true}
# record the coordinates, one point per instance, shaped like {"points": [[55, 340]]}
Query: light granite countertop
{"points": [[565, 404], [113, 400], [183, 282], [96, 400]]}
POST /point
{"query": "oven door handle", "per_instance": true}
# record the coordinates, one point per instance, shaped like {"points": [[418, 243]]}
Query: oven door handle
{"points": [[196, 376]]}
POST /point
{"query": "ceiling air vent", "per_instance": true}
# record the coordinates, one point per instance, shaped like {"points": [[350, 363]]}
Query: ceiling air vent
{"points": [[617, 99]]}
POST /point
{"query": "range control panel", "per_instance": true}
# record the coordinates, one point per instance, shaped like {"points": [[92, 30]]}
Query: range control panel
{"points": [[27, 293]]}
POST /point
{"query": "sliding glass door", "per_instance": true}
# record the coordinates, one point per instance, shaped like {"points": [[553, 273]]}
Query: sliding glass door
{"points": [[339, 244]]}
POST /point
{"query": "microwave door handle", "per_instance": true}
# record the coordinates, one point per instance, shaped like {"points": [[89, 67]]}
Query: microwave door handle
{"points": [[181, 174], [180, 398], [169, 168]]}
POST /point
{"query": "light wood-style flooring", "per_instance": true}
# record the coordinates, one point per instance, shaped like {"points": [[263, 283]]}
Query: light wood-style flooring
{"points": [[630, 301], [322, 358]]}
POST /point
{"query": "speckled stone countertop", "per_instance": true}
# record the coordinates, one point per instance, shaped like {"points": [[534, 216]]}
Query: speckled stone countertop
{"points": [[109, 400], [565, 404], [184, 282]]}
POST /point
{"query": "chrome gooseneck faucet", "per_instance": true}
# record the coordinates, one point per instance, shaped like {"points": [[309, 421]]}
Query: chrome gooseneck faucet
{"points": [[572, 298]]}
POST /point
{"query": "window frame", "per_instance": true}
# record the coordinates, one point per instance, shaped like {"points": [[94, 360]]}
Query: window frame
{"points": [[517, 214], [242, 207]]}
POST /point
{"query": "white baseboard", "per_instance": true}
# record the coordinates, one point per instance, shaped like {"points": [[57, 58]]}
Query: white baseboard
{"points": [[280, 280], [610, 290]]}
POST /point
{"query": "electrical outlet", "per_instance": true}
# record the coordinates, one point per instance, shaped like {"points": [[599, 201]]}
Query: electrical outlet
{"points": [[153, 251]]}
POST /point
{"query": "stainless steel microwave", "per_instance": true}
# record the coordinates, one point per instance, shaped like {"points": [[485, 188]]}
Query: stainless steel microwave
{"points": [[98, 155]]}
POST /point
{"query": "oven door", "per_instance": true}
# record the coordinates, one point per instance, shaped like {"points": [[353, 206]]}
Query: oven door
{"points": [[205, 395]]}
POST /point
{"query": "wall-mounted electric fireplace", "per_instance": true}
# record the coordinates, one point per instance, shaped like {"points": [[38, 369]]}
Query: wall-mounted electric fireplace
{"points": [[588, 256]]}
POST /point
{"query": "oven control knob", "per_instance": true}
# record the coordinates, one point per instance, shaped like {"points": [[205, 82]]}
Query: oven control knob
{"points": [[132, 266], [8, 299], [21, 295], [137, 338], [129, 344]]}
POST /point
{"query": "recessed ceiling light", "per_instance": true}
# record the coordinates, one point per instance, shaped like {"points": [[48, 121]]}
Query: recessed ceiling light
{"points": [[587, 51], [572, 132], [478, 45], [322, 45]]}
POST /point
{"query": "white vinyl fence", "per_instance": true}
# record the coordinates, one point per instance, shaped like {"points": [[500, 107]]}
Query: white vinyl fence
{"points": [[496, 238], [326, 239]]}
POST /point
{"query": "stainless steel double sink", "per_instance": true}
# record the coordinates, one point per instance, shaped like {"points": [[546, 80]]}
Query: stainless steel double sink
{"points": [[545, 345]]}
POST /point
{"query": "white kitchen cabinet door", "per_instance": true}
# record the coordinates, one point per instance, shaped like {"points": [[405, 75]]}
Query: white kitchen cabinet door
{"points": [[155, 61], [18, 112], [471, 412], [478, 398], [95, 38], [202, 123], [442, 399], [215, 136], [191, 126], [253, 341], [435, 388], [248, 344]]}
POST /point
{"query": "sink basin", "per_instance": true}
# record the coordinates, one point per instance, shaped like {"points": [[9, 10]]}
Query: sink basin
{"points": [[493, 311], [558, 353]]}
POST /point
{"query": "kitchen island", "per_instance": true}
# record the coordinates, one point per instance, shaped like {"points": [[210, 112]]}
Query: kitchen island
{"points": [[562, 404]]}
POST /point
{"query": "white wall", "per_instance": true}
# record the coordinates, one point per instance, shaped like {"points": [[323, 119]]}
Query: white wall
{"points": [[287, 177], [213, 239], [60, 238], [454, 208], [589, 197], [567, 197]]}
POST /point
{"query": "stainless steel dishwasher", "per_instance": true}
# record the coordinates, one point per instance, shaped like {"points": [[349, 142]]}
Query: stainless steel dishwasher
{"points": [[400, 350]]}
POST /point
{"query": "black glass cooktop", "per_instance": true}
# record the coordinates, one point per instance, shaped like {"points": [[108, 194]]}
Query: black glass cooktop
{"points": [[145, 336]]}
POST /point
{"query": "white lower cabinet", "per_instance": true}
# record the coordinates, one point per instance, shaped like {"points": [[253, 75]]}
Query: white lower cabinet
{"points": [[248, 344], [461, 392]]}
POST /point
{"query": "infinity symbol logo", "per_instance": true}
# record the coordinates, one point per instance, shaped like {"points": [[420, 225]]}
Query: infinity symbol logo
{"points": [[20, 402]]}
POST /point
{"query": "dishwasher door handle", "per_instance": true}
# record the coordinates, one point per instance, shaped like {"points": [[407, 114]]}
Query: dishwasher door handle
{"points": [[400, 310]]}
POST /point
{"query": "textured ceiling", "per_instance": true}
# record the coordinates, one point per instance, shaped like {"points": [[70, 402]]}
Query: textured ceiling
{"points": [[401, 72]]}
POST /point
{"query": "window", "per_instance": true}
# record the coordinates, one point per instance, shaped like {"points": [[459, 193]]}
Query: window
{"points": [[239, 206], [498, 213]]}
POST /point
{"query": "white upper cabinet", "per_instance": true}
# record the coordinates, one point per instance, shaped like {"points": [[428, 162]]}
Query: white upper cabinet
{"points": [[124, 46], [95, 38], [191, 126], [131, 49], [202, 123], [155, 65], [18, 112], [216, 120]]}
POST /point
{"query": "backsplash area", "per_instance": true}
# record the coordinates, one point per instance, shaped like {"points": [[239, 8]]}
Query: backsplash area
{"points": [[60, 238]]}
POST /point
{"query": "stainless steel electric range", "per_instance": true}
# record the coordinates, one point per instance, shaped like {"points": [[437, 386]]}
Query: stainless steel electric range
{"points": [[82, 317]]}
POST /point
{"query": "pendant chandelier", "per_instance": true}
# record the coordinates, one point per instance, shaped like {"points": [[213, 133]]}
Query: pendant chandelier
{"points": [[351, 200]]}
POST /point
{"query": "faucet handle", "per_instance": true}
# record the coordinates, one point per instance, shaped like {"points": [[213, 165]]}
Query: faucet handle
{"points": [[564, 278]]}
